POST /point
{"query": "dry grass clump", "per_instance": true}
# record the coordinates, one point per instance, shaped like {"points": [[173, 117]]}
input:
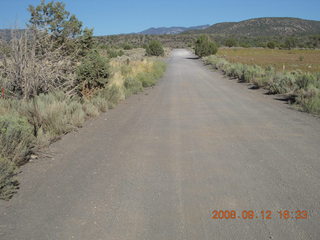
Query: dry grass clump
{"points": [[132, 76], [16, 138], [8, 182]]}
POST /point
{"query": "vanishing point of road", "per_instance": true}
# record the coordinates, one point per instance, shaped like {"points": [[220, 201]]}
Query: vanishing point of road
{"points": [[157, 165]]}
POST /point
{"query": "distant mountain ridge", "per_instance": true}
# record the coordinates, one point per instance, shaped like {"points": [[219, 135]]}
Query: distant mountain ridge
{"points": [[268, 26], [256, 27], [171, 30]]}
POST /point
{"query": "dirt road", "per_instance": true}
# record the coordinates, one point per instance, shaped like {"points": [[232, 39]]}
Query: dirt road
{"points": [[158, 165]]}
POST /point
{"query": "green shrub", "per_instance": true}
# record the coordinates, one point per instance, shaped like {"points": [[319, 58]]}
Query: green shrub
{"points": [[8, 182], [264, 77], [54, 114], [235, 70], [217, 62], [231, 42], [90, 109], [290, 43], [305, 79], [16, 138], [271, 45], [205, 47], [133, 86], [227, 69], [246, 73], [154, 48], [260, 81], [47, 114], [282, 83], [9, 106], [50, 115], [100, 103], [113, 53], [126, 70], [309, 99], [159, 68], [112, 94], [93, 72], [103, 46], [75, 114], [245, 45], [252, 72], [148, 79], [312, 104], [127, 46], [86, 42]]}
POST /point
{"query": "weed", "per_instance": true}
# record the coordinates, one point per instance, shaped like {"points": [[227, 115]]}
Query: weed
{"points": [[16, 138], [112, 94], [100, 103], [8, 182], [133, 86], [90, 109]]}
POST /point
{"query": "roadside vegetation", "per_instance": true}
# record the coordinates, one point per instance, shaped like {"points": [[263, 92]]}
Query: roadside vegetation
{"points": [[53, 77], [205, 47], [154, 48], [299, 88]]}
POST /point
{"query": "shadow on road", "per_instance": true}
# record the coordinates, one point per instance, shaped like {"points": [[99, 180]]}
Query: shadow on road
{"points": [[192, 58]]}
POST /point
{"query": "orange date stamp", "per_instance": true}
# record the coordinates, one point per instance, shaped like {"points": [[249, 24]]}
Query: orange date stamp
{"points": [[259, 214]]}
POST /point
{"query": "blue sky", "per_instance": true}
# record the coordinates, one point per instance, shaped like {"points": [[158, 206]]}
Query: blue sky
{"points": [[126, 16]]}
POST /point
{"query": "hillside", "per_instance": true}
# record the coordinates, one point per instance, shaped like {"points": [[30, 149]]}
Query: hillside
{"points": [[171, 30], [264, 27]]}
